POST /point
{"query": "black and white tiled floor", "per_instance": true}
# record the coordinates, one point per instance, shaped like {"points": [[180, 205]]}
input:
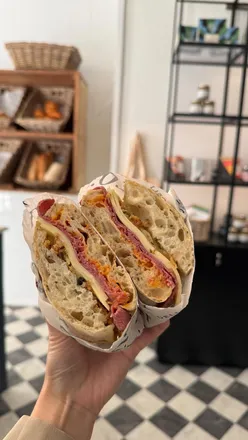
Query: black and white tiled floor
{"points": [[155, 401]]}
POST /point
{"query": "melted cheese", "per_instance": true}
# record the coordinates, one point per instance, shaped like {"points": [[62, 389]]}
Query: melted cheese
{"points": [[79, 269], [147, 245]]}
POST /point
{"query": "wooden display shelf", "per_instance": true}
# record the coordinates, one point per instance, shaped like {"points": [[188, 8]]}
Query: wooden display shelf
{"points": [[54, 78], [29, 135], [11, 187]]}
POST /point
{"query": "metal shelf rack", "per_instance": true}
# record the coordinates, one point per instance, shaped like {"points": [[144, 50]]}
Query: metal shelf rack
{"points": [[227, 57]]}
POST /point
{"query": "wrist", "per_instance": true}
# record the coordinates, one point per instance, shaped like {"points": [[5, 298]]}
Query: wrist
{"points": [[64, 414]]}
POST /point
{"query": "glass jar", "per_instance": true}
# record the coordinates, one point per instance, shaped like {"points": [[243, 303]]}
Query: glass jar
{"points": [[233, 235], [244, 173], [243, 236], [208, 107], [203, 92], [239, 221], [195, 108]]}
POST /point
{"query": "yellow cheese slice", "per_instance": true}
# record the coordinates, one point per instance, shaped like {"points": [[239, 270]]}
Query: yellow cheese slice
{"points": [[147, 245], [79, 269]]}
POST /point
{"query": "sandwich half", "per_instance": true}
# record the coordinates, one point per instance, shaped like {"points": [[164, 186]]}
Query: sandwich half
{"points": [[154, 275], [81, 276], [161, 223]]}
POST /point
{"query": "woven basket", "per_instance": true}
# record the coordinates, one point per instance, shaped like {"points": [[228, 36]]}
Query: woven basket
{"points": [[201, 229], [60, 95], [43, 56], [14, 147], [12, 106], [62, 153], [4, 122]]}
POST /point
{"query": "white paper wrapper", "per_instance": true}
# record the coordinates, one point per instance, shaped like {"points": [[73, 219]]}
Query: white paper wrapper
{"points": [[135, 326], [152, 315]]}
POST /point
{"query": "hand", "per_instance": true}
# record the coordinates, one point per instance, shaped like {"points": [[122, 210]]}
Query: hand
{"points": [[79, 381]]}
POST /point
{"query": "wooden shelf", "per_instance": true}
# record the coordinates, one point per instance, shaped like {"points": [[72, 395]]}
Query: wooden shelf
{"points": [[10, 187], [54, 78], [29, 135]]}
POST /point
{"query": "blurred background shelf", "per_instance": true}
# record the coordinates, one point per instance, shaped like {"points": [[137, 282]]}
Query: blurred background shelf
{"points": [[29, 135], [189, 118], [209, 54], [12, 187], [216, 241], [212, 183]]}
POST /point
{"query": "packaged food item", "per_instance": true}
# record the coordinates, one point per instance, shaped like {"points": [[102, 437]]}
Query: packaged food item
{"points": [[244, 173], [228, 164], [197, 170], [203, 92], [39, 165], [208, 107], [233, 235], [195, 107], [243, 236], [239, 221], [53, 172], [32, 173], [177, 165]]}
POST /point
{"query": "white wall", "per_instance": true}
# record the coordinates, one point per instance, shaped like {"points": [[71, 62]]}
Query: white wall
{"points": [[145, 94], [91, 25]]}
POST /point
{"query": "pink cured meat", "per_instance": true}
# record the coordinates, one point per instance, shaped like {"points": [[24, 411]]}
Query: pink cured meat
{"points": [[121, 318], [169, 278], [119, 315]]}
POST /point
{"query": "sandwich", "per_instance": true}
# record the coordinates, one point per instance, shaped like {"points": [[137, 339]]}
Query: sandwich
{"points": [[81, 277], [161, 223], [154, 269]]}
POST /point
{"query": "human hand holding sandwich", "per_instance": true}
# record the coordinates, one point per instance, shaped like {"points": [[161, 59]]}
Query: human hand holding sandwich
{"points": [[79, 381]]}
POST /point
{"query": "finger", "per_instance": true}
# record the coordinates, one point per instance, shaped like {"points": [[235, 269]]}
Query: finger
{"points": [[147, 337], [54, 334]]}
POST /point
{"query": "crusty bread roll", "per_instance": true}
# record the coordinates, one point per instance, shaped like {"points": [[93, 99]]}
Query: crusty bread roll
{"points": [[161, 223], [80, 274], [155, 277], [76, 304], [32, 173]]}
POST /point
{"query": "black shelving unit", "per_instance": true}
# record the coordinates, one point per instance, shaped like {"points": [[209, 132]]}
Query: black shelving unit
{"points": [[204, 54]]}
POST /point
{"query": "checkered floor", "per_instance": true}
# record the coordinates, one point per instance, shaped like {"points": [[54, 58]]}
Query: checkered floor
{"points": [[155, 401]]}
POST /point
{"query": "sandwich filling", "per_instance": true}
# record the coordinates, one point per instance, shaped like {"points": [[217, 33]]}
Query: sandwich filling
{"points": [[97, 276], [160, 276]]}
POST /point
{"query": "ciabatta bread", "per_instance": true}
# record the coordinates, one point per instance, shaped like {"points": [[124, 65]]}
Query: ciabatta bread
{"points": [[143, 273], [68, 293], [161, 223]]}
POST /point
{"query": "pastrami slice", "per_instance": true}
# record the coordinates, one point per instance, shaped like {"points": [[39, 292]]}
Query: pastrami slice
{"points": [[159, 275]]}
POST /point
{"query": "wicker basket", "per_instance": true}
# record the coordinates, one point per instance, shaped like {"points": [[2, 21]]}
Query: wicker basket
{"points": [[4, 122], [14, 147], [11, 106], [62, 153], [201, 229], [60, 95], [43, 56]]}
